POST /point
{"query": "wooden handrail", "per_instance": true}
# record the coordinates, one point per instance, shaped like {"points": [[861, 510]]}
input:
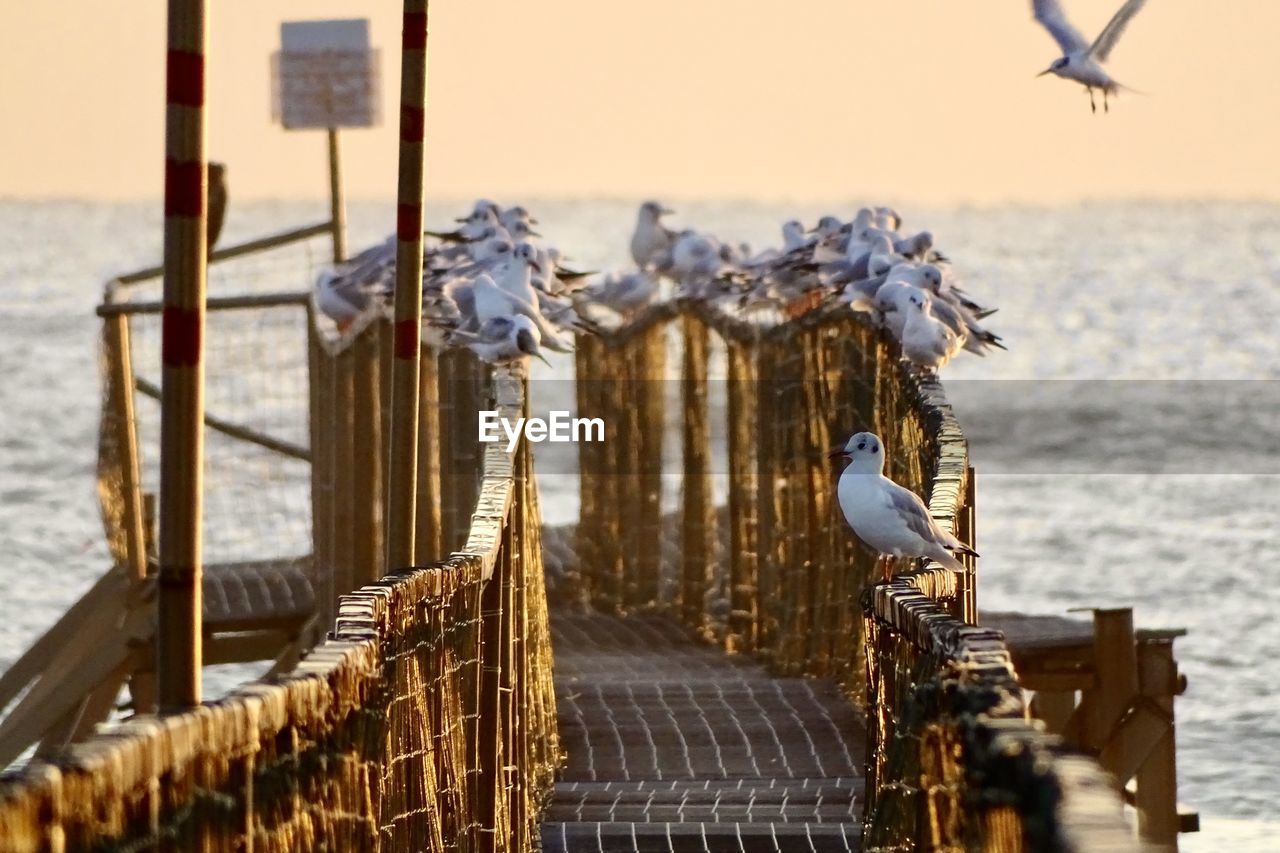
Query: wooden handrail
{"points": [[259, 244], [244, 433]]}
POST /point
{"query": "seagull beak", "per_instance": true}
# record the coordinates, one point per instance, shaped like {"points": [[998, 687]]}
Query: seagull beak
{"points": [[838, 453], [1044, 72], [462, 219], [532, 221], [666, 211], [542, 358]]}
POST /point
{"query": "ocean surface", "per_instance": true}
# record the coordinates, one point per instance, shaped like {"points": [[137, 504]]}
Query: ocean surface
{"points": [[1145, 315]]}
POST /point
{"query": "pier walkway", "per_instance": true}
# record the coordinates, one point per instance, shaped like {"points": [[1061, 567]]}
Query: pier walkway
{"points": [[700, 659], [673, 745]]}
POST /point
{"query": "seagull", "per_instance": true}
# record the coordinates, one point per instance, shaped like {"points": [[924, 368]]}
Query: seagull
{"points": [[652, 241], [501, 339], [926, 340], [1080, 60], [888, 518]]}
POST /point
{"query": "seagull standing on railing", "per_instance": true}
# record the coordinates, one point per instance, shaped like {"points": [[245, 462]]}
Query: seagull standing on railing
{"points": [[1082, 61], [890, 519]]}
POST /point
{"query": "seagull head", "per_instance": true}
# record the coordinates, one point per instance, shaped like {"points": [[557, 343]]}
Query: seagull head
{"points": [[864, 451], [1058, 65], [529, 255], [654, 210], [919, 301], [527, 338]]}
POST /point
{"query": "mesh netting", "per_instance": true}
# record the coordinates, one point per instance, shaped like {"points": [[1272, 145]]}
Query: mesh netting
{"points": [[425, 722]]}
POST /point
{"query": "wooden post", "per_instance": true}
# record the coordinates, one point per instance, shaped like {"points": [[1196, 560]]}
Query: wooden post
{"points": [[1116, 680], [125, 437], [182, 407], [367, 447], [744, 587], [427, 539], [337, 203], [320, 390], [1157, 788], [968, 521], [135, 517], [697, 517], [345, 552], [402, 503]]}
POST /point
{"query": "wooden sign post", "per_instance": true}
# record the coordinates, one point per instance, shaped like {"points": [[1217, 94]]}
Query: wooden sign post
{"points": [[326, 77]]}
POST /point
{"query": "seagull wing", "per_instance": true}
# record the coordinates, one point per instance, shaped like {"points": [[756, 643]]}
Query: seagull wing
{"points": [[1049, 14], [1106, 40], [911, 510]]}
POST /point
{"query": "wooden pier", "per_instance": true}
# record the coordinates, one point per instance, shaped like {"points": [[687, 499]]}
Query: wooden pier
{"points": [[730, 672]]}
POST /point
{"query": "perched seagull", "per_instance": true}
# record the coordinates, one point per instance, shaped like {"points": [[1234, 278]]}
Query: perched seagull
{"points": [[926, 340], [793, 236], [890, 519], [501, 339], [625, 294], [651, 242], [1082, 61]]}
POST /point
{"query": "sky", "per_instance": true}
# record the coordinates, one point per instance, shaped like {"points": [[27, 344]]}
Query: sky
{"points": [[932, 101]]}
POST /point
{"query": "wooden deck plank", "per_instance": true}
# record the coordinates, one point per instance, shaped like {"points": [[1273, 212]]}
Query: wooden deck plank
{"points": [[674, 745]]}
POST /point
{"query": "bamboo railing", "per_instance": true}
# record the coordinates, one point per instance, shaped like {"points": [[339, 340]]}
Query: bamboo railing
{"points": [[757, 558], [426, 721]]}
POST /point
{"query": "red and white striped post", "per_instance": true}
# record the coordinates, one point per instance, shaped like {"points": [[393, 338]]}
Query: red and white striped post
{"points": [[403, 470], [182, 414]]}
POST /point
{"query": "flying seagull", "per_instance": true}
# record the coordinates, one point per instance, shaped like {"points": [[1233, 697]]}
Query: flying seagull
{"points": [[1082, 61]]}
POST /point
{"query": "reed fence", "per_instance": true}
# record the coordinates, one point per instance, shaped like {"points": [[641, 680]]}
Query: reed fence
{"points": [[425, 720], [756, 557]]}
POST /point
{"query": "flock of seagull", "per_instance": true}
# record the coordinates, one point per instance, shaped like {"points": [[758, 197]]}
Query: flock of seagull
{"points": [[493, 286], [490, 285]]}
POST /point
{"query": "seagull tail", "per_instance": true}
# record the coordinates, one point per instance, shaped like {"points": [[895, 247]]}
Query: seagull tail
{"points": [[946, 559]]}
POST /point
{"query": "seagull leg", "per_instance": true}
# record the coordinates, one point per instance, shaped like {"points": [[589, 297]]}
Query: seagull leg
{"points": [[1106, 107], [1092, 104]]}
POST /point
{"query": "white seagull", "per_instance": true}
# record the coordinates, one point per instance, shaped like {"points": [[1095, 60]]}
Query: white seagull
{"points": [[890, 519], [1082, 61]]}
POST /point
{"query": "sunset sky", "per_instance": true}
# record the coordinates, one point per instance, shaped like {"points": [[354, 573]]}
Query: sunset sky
{"points": [[926, 100]]}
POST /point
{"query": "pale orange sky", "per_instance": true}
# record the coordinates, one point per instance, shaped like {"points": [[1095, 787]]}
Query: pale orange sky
{"points": [[925, 100]]}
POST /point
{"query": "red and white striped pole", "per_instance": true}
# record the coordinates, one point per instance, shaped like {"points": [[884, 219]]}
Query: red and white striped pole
{"points": [[182, 414], [403, 470]]}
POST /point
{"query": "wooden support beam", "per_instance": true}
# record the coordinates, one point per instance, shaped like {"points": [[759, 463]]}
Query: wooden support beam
{"points": [[1116, 665], [274, 241], [337, 204], [427, 538], [696, 513], [1054, 707], [367, 466], [237, 431], [76, 725], [1157, 777], [243, 646]]}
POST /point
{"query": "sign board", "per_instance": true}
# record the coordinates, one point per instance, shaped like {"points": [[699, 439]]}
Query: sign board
{"points": [[325, 75]]}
